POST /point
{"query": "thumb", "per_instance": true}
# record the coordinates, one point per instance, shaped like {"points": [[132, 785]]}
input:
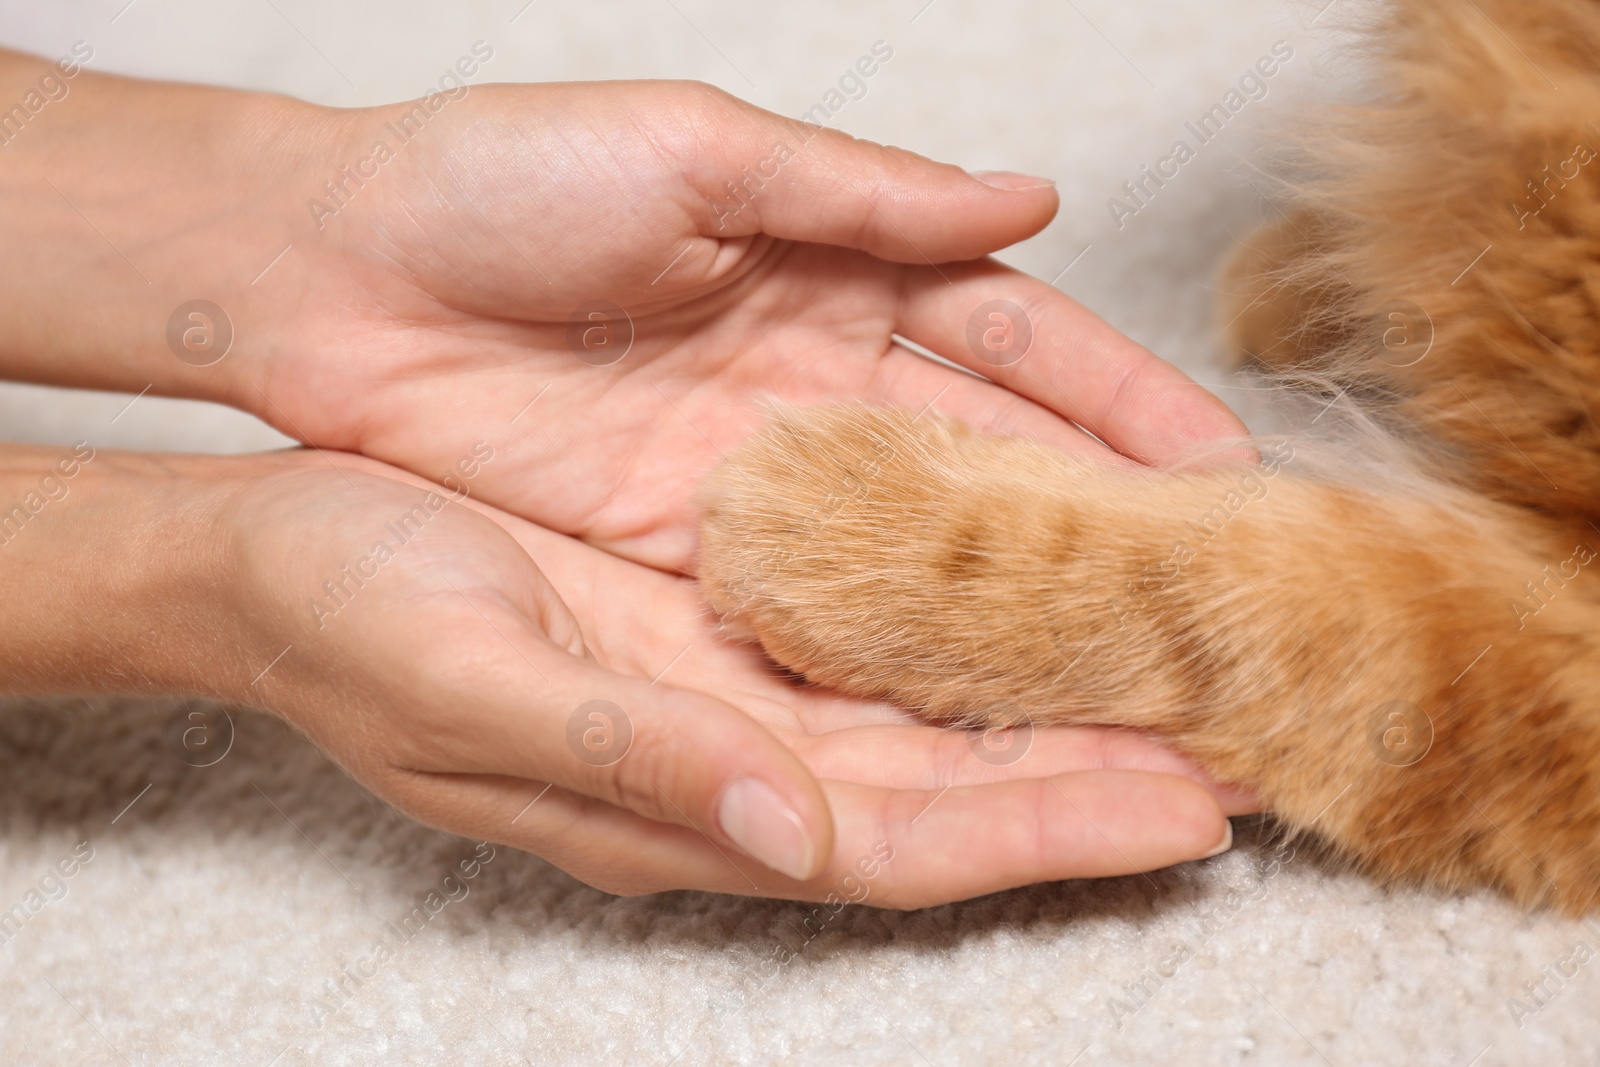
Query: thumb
{"points": [[670, 755], [765, 173]]}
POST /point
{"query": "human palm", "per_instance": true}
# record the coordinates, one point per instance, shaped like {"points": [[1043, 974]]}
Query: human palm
{"points": [[437, 309], [465, 655]]}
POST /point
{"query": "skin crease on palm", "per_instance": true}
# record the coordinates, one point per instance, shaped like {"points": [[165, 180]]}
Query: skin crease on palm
{"points": [[430, 312]]}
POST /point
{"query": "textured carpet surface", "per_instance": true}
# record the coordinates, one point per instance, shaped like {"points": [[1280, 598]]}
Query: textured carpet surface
{"points": [[263, 909]]}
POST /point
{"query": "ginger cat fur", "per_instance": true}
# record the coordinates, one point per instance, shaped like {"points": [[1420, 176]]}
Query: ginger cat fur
{"points": [[1407, 666]]}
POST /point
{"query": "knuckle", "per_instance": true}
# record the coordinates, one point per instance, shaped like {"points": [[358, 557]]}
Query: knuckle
{"points": [[705, 92], [699, 106], [651, 774]]}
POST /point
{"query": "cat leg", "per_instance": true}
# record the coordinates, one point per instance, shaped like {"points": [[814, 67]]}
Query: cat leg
{"points": [[1412, 677]]}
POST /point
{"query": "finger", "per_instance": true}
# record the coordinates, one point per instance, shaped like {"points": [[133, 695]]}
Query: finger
{"points": [[967, 841], [907, 380], [1074, 363], [904, 756], [764, 173], [667, 754], [610, 848], [898, 849]]}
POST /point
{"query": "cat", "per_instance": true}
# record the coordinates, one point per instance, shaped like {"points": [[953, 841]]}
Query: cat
{"points": [[1402, 658]]}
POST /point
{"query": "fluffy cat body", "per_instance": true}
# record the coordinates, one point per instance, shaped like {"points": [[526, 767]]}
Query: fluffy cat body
{"points": [[1407, 664]]}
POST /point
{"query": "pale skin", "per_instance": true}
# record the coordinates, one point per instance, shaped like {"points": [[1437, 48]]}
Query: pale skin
{"points": [[423, 314]]}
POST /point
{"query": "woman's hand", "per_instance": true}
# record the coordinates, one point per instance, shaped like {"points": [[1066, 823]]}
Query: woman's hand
{"points": [[530, 232], [506, 682], [405, 281]]}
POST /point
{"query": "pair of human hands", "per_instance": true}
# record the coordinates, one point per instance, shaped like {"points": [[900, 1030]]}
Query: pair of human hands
{"points": [[527, 658]]}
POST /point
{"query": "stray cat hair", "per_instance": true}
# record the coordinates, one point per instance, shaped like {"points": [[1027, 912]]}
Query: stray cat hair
{"points": [[1400, 656]]}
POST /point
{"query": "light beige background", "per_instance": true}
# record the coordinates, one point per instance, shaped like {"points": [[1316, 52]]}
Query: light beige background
{"points": [[219, 904]]}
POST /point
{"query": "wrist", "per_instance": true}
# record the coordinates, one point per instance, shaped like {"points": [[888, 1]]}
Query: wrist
{"points": [[117, 578], [122, 202]]}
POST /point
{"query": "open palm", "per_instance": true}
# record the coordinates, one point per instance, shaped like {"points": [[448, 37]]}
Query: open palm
{"points": [[560, 272], [465, 658]]}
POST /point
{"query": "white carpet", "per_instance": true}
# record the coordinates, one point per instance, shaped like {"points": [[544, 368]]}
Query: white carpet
{"points": [[215, 917]]}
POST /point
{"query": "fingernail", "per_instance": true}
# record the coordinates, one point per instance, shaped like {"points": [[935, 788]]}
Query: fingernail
{"points": [[1227, 840], [1011, 180], [757, 820]]}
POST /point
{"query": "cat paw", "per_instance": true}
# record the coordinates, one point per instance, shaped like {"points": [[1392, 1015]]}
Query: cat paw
{"points": [[903, 558]]}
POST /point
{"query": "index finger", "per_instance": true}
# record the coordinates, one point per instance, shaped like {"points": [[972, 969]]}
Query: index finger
{"points": [[894, 849], [1040, 343], [912, 756]]}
